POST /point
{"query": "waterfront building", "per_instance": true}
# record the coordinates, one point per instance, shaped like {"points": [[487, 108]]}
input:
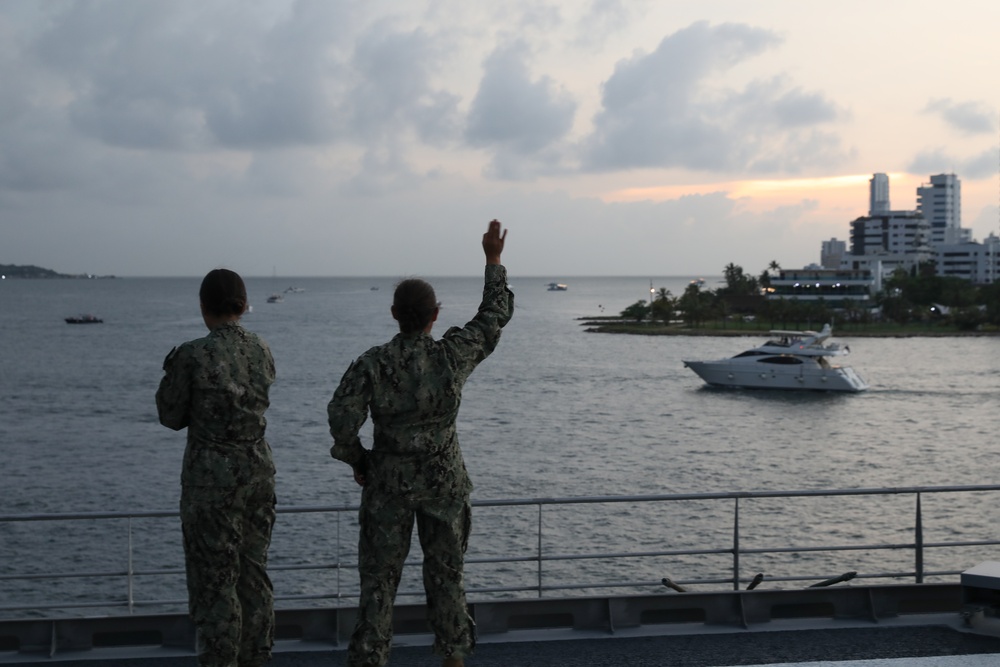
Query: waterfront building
{"points": [[878, 197], [940, 202], [884, 264], [835, 287], [978, 263], [832, 253], [889, 232], [886, 240]]}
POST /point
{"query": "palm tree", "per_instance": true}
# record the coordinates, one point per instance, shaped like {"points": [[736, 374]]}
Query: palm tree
{"points": [[664, 305]]}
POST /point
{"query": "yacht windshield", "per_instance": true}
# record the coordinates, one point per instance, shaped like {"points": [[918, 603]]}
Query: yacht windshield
{"points": [[782, 360]]}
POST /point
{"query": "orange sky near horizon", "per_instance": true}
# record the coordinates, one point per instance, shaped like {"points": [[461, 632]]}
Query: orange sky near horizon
{"points": [[835, 196]]}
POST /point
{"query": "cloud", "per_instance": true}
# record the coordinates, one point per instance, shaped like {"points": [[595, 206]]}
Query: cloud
{"points": [[983, 165], [515, 116], [939, 161], [129, 79], [666, 109], [393, 102], [393, 70], [603, 18], [383, 169], [965, 117], [163, 76]]}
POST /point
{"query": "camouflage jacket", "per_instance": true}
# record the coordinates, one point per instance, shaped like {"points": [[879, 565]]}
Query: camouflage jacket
{"points": [[217, 387], [412, 386]]}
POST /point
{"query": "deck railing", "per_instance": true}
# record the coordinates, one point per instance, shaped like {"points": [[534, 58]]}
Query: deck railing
{"points": [[542, 559]]}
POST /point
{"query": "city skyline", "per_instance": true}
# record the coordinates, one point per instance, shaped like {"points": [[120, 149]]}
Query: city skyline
{"points": [[313, 138]]}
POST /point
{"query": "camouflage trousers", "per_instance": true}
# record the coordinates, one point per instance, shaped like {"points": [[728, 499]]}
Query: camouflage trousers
{"points": [[227, 531], [443, 526]]}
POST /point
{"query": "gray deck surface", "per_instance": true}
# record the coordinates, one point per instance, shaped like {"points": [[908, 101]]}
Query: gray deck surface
{"points": [[923, 646]]}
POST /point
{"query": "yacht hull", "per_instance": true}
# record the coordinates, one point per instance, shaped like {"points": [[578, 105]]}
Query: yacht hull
{"points": [[805, 376]]}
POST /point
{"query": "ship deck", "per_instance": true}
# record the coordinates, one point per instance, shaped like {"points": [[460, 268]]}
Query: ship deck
{"points": [[690, 623], [897, 645], [920, 625]]}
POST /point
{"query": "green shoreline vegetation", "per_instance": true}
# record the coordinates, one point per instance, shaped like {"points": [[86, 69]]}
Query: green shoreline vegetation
{"points": [[31, 272], [719, 328], [915, 303]]}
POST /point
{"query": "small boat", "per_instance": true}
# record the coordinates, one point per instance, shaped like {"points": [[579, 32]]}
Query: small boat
{"points": [[700, 282], [558, 287], [295, 290], [84, 319], [275, 298], [788, 360]]}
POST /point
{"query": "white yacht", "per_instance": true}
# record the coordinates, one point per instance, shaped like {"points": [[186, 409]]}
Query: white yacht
{"points": [[788, 360]]}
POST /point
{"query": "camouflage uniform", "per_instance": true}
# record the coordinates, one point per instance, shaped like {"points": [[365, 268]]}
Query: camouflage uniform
{"points": [[412, 386], [217, 387]]}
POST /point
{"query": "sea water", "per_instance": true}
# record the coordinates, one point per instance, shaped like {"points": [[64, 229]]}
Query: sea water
{"points": [[556, 411]]}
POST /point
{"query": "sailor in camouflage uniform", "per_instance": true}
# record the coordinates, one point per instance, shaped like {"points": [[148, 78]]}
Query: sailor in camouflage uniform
{"points": [[412, 386], [217, 387]]}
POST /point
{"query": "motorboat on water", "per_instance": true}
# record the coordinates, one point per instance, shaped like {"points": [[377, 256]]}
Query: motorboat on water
{"points": [[275, 298], [558, 287], [788, 360], [84, 319]]}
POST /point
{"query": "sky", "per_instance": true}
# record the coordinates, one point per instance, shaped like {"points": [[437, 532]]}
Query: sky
{"points": [[377, 138]]}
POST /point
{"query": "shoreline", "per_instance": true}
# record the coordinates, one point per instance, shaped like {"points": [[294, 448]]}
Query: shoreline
{"points": [[614, 326]]}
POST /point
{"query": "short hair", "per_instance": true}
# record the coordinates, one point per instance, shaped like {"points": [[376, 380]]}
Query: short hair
{"points": [[414, 303], [223, 293]]}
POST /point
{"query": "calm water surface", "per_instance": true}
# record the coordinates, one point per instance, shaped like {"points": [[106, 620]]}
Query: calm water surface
{"points": [[554, 412]]}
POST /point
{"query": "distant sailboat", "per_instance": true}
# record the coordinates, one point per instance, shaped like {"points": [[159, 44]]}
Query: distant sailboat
{"points": [[275, 296]]}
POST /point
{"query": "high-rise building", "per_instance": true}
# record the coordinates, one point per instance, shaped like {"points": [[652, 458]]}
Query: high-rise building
{"points": [[831, 253], [889, 232], [878, 198], [940, 202], [931, 233]]}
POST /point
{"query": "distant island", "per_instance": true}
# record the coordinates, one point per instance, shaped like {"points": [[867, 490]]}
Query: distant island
{"points": [[30, 271]]}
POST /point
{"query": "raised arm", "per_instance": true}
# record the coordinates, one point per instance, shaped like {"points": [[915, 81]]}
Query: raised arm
{"points": [[493, 241]]}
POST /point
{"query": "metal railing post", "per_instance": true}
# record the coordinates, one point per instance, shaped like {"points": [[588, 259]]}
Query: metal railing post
{"points": [[919, 535], [339, 594], [131, 599], [736, 545], [539, 552]]}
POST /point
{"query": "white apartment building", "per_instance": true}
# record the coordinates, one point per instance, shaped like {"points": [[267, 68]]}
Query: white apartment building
{"points": [[976, 262], [889, 232], [878, 194], [883, 265], [940, 202], [885, 240]]}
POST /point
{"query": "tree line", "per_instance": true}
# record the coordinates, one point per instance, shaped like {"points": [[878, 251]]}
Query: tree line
{"points": [[918, 296]]}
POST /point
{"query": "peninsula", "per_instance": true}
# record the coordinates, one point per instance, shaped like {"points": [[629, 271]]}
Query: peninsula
{"points": [[35, 272]]}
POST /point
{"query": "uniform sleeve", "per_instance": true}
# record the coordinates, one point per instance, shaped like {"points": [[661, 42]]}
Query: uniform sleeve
{"points": [[479, 337], [173, 397], [270, 374], [347, 412]]}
